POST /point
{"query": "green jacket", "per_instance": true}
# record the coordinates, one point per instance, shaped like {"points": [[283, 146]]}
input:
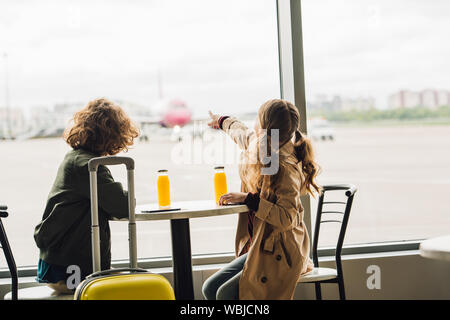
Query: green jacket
{"points": [[64, 234]]}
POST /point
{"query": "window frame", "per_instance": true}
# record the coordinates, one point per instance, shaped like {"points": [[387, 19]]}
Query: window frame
{"points": [[292, 87], [222, 258]]}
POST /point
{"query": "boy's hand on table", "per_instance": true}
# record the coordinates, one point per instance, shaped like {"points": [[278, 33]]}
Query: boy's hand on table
{"points": [[233, 197]]}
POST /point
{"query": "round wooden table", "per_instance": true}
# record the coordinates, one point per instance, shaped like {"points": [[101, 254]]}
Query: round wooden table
{"points": [[436, 248], [181, 238]]}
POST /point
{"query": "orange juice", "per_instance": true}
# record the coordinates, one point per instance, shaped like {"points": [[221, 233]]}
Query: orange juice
{"points": [[220, 183], [163, 189]]}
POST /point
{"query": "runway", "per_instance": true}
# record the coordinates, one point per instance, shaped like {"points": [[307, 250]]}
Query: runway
{"points": [[402, 174]]}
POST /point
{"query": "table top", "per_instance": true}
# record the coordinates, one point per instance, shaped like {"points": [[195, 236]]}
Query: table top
{"points": [[188, 209], [436, 248]]}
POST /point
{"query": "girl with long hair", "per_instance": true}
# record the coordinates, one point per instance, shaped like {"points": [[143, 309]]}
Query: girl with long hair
{"points": [[272, 244]]}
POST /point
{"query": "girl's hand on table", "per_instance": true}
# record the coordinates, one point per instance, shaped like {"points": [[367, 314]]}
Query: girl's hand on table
{"points": [[233, 197]]}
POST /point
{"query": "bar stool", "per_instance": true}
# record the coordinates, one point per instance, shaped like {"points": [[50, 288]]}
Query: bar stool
{"points": [[8, 254], [40, 292], [329, 275]]}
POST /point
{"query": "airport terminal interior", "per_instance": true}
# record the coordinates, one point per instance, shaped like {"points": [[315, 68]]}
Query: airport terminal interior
{"points": [[368, 80]]}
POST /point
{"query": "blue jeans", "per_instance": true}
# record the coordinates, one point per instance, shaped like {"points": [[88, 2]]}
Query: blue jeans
{"points": [[224, 284]]}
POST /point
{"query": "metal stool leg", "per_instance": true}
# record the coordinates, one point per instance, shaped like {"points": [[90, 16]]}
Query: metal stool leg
{"points": [[10, 260], [341, 288]]}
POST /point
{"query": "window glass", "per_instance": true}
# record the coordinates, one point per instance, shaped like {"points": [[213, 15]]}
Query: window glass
{"points": [[152, 58], [378, 101]]}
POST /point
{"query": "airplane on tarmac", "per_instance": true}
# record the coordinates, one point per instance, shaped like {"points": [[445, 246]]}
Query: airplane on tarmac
{"points": [[170, 113], [172, 116]]}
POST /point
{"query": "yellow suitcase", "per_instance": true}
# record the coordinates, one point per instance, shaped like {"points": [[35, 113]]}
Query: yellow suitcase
{"points": [[136, 284], [130, 283]]}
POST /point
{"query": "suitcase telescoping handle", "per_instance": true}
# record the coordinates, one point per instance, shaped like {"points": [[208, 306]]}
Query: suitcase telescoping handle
{"points": [[95, 229], [114, 271]]}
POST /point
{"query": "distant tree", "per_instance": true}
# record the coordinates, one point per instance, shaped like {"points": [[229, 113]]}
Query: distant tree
{"points": [[373, 114]]}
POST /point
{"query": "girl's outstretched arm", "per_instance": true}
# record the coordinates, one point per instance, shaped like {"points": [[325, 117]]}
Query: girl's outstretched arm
{"points": [[233, 127]]}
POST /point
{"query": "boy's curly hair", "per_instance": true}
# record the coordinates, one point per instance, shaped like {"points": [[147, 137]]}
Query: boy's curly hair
{"points": [[101, 127]]}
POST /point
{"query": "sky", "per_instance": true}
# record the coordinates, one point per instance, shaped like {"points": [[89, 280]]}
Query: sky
{"points": [[376, 47], [218, 55]]}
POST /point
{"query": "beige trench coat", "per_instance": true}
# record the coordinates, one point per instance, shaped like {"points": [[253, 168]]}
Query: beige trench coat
{"points": [[279, 252]]}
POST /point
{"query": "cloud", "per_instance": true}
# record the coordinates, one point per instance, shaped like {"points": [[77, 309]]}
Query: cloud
{"points": [[375, 47], [206, 50], [220, 51]]}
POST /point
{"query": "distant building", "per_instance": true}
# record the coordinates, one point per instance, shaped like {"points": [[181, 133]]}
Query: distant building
{"points": [[428, 98], [52, 121], [360, 104], [404, 99], [12, 122], [443, 98], [44, 117], [323, 102]]}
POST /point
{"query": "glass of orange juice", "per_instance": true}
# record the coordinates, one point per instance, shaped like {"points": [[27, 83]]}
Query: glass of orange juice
{"points": [[163, 189], [220, 182]]}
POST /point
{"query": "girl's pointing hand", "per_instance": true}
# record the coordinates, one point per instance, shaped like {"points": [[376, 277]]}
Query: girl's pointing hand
{"points": [[214, 123]]}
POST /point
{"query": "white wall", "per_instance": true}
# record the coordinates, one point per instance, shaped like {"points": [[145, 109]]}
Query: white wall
{"points": [[404, 276]]}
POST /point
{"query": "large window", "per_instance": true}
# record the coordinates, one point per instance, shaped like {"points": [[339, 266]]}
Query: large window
{"points": [[377, 94], [378, 97], [148, 56]]}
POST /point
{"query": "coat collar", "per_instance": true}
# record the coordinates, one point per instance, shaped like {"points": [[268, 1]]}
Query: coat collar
{"points": [[287, 151]]}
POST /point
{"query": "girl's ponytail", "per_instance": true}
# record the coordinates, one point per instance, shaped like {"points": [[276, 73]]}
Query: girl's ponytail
{"points": [[305, 154]]}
